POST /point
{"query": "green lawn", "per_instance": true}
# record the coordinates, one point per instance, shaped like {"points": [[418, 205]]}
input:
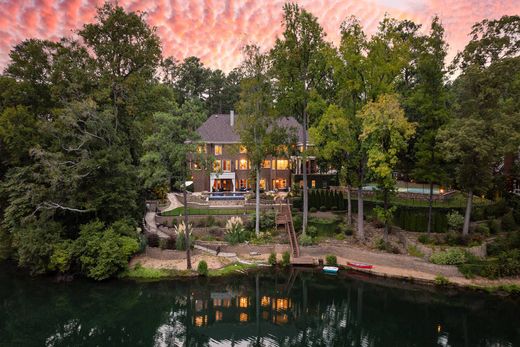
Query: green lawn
{"points": [[208, 211], [458, 200]]}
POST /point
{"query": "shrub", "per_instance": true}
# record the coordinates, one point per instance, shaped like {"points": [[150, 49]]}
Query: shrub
{"points": [[509, 263], [323, 208], [495, 226], [313, 209], [331, 259], [334, 208], [306, 240], [424, 239], [508, 222], [312, 231], [454, 256], [482, 228], [162, 243], [180, 240], [440, 280], [272, 259], [286, 258], [210, 221], [235, 232], [267, 221], [61, 258], [340, 237], [504, 243], [215, 230], [202, 268], [414, 251], [455, 220]]}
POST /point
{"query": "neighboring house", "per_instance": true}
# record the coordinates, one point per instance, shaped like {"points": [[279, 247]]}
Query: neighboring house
{"points": [[231, 170]]}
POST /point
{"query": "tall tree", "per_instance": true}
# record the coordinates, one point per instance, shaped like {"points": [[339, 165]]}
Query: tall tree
{"points": [[335, 139], [427, 104], [299, 69], [257, 125], [385, 133]]}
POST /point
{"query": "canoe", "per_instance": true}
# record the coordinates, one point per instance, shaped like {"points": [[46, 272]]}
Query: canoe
{"points": [[360, 265], [330, 269]]}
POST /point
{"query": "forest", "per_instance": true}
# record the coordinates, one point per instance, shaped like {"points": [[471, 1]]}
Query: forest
{"points": [[94, 124]]}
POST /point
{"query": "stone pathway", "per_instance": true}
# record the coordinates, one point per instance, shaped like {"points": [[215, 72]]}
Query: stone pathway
{"points": [[174, 202], [150, 221]]}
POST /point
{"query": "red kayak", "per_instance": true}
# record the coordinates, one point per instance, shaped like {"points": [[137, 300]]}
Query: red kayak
{"points": [[360, 265]]}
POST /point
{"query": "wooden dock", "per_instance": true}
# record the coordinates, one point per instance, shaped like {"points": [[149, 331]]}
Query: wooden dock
{"points": [[304, 261]]}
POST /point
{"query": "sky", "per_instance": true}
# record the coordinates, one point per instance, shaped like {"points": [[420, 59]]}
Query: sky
{"points": [[216, 30]]}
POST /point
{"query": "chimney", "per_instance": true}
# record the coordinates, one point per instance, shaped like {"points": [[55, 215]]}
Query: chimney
{"points": [[232, 118]]}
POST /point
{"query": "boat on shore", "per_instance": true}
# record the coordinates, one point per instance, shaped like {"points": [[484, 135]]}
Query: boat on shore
{"points": [[330, 269], [357, 265]]}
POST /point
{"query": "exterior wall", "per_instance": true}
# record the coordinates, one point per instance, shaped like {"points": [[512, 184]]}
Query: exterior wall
{"points": [[231, 152]]}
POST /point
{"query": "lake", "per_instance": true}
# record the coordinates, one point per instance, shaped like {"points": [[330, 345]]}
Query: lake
{"points": [[290, 308]]}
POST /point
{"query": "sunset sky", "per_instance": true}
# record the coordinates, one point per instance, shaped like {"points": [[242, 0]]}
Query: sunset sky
{"points": [[215, 30]]}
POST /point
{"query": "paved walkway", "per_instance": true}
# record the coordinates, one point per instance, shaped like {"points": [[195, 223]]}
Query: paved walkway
{"points": [[150, 221], [174, 202]]}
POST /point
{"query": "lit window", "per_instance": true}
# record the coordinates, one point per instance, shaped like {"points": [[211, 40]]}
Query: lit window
{"points": [[218, 150], [216, 166], [266, 164], [243, 164], [273, 165], [226, 165], [282, 164], [195, 166], [200, 320], [243, 302], [217, 302], [313, 183], [243, 149], [282, 304], [218, 316], [262, 183], [201, 149], [243, 317], [226, 303], [265, 301]]}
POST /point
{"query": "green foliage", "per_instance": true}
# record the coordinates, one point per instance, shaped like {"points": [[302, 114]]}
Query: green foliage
{"points": [[313, 209], [323, 208], [5, 245], [235, 231], [424, 239], [453, 256], [312, 231], [441, 281], [286, 258], [414, 251], [34, 243], [331, 259], [483, 229], [307, 239], [495, 226], [508, 222], [504, 243], [455, 220], [62, 256], [202, 268], [272, 259]]}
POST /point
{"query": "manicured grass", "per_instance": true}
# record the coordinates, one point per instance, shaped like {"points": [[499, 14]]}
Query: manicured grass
{"points": [[208, 211], [231, 269], [458, 200], [144, 273]]}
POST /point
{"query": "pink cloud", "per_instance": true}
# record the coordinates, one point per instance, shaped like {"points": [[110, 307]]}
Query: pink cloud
{"points": [[215, 30]]}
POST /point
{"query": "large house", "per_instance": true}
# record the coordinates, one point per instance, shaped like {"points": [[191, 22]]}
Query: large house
{"points": [[231, 170]]}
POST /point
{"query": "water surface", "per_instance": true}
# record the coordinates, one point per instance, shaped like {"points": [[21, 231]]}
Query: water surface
{"points": [[266, 309]]}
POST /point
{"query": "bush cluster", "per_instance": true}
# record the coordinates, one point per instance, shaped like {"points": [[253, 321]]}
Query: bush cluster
{"points": [[272, 259], [202, 268], [331, 260], [453, 256], [286, 258]]}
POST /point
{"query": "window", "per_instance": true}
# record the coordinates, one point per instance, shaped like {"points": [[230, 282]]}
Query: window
{"points": [[226, 165], [218, 150], [243, 184], [266, 164], [262, 183], [217, 166], [201, 148], [243, 164], [243, 149], [313, 183], [282, 164]]}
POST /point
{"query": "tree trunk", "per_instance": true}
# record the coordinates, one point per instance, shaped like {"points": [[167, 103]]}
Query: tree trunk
{"points": [[349, 207], [360, 224], [385, 206], [430, 203], [186, 230], [257, 204], [467, 216], [304, 174]]}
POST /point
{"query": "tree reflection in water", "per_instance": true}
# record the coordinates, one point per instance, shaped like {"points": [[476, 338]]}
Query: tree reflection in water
{"points": [[264, 309]]}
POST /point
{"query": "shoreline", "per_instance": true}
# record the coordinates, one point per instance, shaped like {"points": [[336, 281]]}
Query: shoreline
{"points": [[391, 266]]}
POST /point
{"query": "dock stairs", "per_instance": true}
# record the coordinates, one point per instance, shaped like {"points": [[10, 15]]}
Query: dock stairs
{"points": [[284, 217]]}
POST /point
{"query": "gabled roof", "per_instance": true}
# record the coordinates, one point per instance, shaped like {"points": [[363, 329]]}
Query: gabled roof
{"points": [[217, 129]]}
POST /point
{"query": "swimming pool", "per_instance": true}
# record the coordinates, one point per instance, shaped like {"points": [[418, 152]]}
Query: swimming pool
{"points": [[415, 190], [226, 196]]}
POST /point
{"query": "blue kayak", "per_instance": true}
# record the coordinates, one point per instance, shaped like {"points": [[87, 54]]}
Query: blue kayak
{"points": [[330, 269]]}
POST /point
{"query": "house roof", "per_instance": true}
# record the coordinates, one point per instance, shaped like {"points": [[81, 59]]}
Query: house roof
{"points": [[217, 129]]}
